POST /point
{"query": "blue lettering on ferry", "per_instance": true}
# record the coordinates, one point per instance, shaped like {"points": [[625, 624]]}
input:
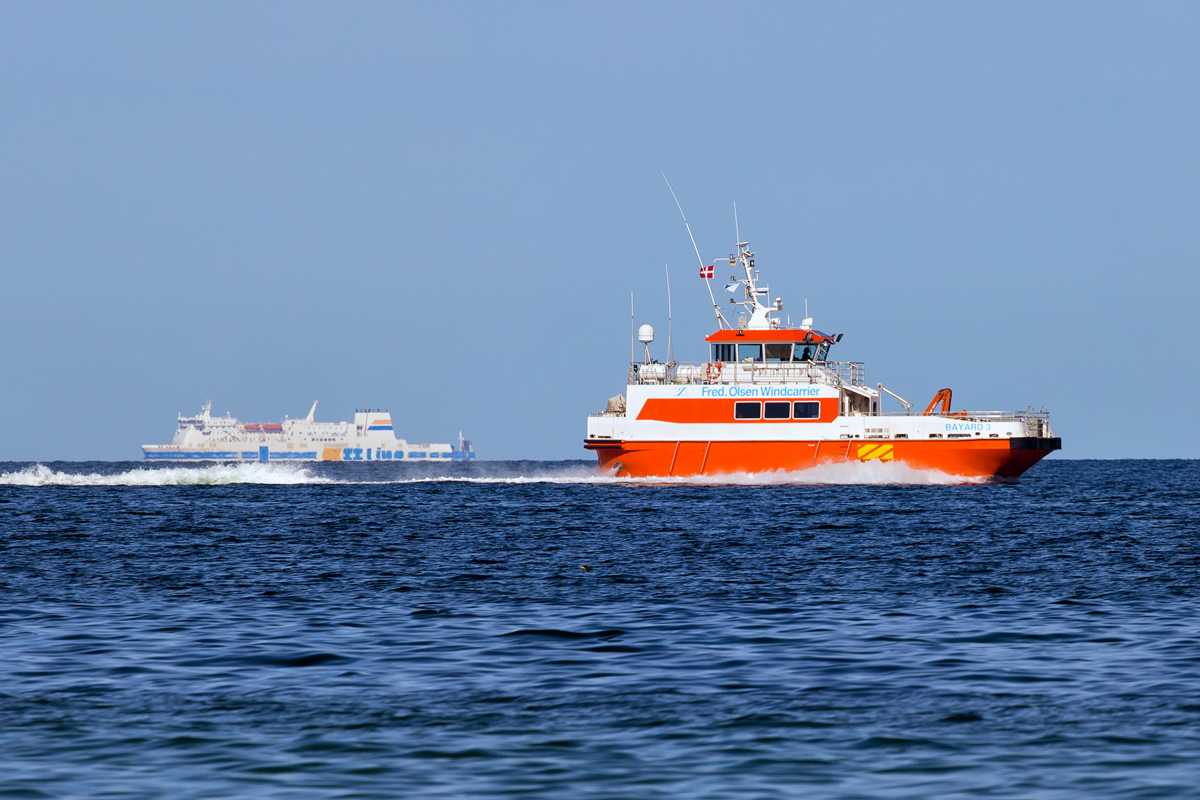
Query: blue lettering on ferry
{"points": [[789, 391], [179, 455], [760, 391]]}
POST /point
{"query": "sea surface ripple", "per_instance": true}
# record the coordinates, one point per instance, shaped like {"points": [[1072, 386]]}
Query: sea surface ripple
{"points": [[537, 630]]}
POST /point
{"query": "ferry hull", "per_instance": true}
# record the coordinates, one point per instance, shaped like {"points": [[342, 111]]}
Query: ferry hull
{"points": [[370, 437], [975, 458]]}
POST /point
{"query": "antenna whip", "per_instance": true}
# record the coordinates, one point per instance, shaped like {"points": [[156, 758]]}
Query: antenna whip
{"points": [[716, 308], [670, 348]]}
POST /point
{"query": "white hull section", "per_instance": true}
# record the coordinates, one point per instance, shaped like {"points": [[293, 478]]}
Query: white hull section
{"points": [[633, 425]]}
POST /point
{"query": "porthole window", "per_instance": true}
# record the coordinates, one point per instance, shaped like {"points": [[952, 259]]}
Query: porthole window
{"points": [[747, 410]]}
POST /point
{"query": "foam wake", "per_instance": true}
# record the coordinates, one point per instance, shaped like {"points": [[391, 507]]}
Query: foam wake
{"points": [[867, 473], [215, 475]]}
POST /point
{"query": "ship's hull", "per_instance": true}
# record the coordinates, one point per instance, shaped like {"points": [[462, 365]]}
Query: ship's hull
{"points": [[369, 437], [976, 458], [264, 454]]}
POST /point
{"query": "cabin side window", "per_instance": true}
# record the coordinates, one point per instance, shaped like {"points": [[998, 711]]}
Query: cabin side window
{"points": [[749, 352], [723, 352], [779, 352], [776, 410], [747, 410], [822, 351], [806, 410], [804, 352]]}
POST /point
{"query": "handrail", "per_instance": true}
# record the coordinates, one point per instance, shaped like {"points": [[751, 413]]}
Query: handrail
{"points": [[832, 373], [976, 416]]}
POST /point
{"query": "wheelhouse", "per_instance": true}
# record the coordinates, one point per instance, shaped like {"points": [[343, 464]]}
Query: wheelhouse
{"points": [[750, 346]]}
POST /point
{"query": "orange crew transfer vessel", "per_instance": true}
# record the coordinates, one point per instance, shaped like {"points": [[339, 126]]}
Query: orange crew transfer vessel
{"points": [[770, 399]]}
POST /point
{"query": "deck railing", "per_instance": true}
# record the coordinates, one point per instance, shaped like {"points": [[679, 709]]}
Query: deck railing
{"points": [[831, 373], [1038, 422]]}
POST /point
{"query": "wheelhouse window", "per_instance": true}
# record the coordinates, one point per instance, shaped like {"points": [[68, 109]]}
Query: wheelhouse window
{"points": [[724, 352], [806, 410], [776, 410], [779, 352], [747, 410], [773, 351], [749, 352]]}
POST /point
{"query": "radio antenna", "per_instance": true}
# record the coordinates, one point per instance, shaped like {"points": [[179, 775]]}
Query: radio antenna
{"points": [[670, 349], [632, 357], [736, 231], [721, 321]]}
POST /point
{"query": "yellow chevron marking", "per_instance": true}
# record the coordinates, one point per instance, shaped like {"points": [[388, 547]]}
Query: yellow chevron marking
{"points": [[867, 452]]}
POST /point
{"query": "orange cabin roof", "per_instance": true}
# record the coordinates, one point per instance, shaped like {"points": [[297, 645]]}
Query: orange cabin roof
{"points": [[769, 335]]}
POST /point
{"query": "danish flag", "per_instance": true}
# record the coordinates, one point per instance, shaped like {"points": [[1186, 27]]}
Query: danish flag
{"points": [[707, 272]]}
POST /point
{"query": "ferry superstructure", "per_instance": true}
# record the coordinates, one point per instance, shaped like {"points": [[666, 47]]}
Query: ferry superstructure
{"points": [[370, 437], [769, 399]]}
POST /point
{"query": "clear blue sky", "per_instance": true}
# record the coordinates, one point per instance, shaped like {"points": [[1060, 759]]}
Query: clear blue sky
{"points": [[441, 208]]}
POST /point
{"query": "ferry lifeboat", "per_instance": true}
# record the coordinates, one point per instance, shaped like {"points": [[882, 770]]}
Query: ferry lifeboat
{"points": [[770, 399]]}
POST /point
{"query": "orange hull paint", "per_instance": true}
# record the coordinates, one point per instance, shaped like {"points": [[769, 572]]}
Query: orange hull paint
{"points": [[699, 410], [977, 458]]}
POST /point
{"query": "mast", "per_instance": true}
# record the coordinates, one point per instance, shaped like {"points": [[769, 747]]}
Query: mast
{"points": [[760, 313]]}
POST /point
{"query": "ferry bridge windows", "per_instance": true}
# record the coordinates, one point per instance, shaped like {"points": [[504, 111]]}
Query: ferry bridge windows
{"points": [[747, 410], [776, 410], [749, 352], [779, 352], [771, 351], [806, 410], [724, 352]]}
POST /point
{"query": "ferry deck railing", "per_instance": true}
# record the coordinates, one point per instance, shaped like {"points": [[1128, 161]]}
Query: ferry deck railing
{"points": [[682, 373]]}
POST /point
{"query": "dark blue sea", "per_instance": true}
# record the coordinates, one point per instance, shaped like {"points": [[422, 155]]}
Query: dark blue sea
{"points": [[531, 629]]}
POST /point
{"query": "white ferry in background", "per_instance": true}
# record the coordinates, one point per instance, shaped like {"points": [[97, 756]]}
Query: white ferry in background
{"points": [[768, 398], [370, 437]]}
